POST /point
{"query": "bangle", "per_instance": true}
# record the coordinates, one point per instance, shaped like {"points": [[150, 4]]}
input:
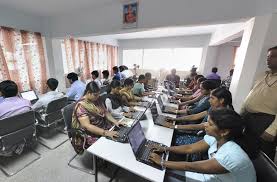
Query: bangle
{"points": [[104, 133], [176, 127]]}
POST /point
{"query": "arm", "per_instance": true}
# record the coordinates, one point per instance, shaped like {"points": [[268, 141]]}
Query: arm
{"points": [[38, 104], [200, 126], [111, 119], [125, 100], [192, 117], [271, 132], [114, 112], [199, 108], [70, 93], [192, 101], [200, 146], [207, 166], [85, 123]]}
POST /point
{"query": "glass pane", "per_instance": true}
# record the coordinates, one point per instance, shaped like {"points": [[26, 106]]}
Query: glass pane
{"points": [[157, 58], [185, 58], [131, 57]]}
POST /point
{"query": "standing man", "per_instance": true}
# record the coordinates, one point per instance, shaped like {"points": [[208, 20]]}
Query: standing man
{"points": [[173, 78], [260, 108]]}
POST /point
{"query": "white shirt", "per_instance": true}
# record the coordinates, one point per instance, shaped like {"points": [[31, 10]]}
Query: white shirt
{"points": [[233, 158], [45, 99], [116, 113], [127, 73], [98, 82]]}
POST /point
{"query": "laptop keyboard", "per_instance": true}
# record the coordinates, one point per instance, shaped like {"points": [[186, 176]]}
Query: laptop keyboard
{"points": [[122, 133], [160, 120], [146, 152]]}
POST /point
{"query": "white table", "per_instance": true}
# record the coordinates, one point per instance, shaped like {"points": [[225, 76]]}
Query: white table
{"points": [[122, 155]]}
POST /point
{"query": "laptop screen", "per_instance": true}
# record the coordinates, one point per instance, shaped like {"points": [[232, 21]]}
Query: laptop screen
{"points": [[136, 137], [160, 101], [154, 111], [29, 95]]}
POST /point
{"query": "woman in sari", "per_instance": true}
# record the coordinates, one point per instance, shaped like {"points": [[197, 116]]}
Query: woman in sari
{"points": [[91, 117]]}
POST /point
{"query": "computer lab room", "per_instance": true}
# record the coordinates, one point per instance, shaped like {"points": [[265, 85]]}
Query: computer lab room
{"points": [[138, 91]]}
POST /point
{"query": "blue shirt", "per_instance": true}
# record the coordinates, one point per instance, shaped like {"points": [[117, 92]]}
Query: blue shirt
{"points": [[118, 76], [138, 89], [76, 91], [213, 76], [233, 158], [201, 106]]}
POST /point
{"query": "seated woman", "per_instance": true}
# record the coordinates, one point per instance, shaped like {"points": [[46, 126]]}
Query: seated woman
{"points": [[195, 97], [202, 105], [114, 103], [219, 98], [127, 95], [91, 116], [227, 151]]}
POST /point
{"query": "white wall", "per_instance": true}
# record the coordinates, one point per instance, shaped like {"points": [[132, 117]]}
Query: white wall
{"points": [[101, 40], [15, 19], [107, 18], [225, 59], [258, 36], [166, 42]]}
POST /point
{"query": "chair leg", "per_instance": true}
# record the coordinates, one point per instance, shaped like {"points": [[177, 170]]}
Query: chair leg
{"points": [[95, 168], [114, 174], [26, 165], [89, 171]]}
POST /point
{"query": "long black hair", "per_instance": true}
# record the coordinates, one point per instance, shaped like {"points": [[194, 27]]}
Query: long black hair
{"points": [[113, 84], [229, 119], [92, 87], [208, 85], [223, 93]]}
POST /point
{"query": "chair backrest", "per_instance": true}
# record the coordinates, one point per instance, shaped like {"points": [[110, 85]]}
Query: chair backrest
{"points": [[266, 170], [56, 105], [17, 122], [16, 129], [67, 112]]}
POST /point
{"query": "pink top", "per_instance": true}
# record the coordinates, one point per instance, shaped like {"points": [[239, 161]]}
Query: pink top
{"points": [[197, 93]]}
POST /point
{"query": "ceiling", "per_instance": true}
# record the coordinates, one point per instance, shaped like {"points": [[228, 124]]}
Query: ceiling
{"points": [[50, 7], [159, 32]]}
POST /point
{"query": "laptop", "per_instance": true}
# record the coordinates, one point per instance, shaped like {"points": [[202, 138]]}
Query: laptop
{"points": [[144, 104], [136, 114], [142, 147], [30, 96], [164, 108], [124, 130], [158, 119]]}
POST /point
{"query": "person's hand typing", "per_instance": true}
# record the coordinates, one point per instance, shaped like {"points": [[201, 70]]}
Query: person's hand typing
{"points": [[112, 134], [128, 115], [155, 158], [131, 109], [168, 125]]}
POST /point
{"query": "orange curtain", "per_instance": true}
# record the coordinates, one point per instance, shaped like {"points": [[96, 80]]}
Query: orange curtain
{"points": [[22, 59], [89, 56]]}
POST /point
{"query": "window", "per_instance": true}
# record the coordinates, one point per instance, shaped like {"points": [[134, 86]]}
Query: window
{"points": [[131, 57], [179, 58]]}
